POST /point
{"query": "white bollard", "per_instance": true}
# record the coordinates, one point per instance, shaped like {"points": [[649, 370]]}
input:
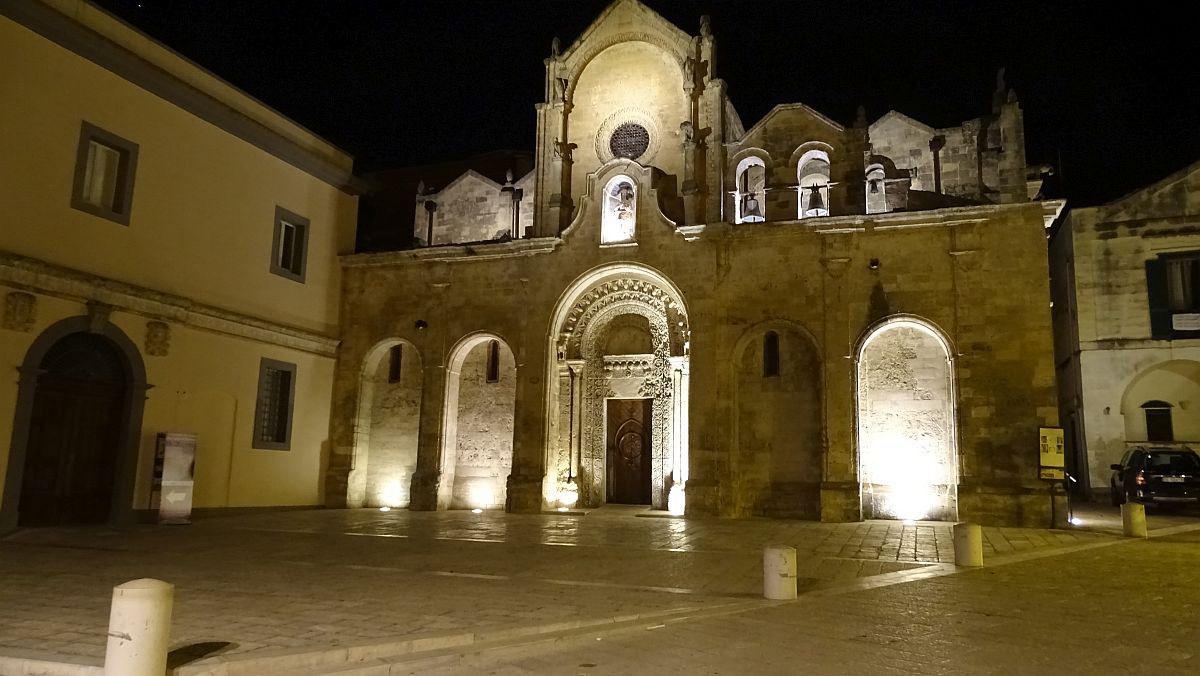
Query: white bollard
{"points": [[779, 572], [968, 544], [1133, 520], [139, 628]]}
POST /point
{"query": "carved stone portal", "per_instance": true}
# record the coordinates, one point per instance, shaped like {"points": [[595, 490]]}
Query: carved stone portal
{"points": [[660, 376]]}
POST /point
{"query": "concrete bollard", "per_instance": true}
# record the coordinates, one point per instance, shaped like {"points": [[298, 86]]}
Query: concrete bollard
{"points": [[1133, 520], [968, 544], [139, 628], [779, 572]]}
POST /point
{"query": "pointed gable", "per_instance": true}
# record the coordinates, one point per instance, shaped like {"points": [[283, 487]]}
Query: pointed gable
{"points": [[1175, 195]]}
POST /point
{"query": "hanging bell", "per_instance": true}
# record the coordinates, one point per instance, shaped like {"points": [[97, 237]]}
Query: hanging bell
{"points": [[816, 206], [751, 207]]}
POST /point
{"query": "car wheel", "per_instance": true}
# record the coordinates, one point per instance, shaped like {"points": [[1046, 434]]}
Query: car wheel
{"points": [[1114, 495]]}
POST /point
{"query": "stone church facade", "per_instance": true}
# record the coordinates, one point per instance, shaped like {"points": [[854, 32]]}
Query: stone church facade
{"points": [[798, 319]]}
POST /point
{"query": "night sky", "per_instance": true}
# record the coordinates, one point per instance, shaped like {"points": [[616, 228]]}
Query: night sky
{"points": [[1114, 93]]}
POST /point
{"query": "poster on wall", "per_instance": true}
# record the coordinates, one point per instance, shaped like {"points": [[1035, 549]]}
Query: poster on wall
{"points": [[1052, 456], [174, 465]]}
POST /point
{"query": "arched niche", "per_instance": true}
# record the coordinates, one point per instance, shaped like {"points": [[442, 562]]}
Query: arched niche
{"points": [[778, 424], [387, 424], [478, 423], [907, 439], [1172, 387]]}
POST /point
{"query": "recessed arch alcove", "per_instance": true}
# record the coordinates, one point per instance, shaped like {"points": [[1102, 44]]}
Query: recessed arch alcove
{"points": [[387, 425], [907, 437], [478, 423]]}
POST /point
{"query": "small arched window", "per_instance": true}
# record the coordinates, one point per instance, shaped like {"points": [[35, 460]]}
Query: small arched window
{"points": [[619, 222], [876, 190], [812, 176], [493, 361], [1158, 421], [751, 193], [770, 354]]}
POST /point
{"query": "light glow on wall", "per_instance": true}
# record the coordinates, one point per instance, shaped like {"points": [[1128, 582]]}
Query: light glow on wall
{"points": [[393, 493], [675, 500], [569, 495], [480, 495]]}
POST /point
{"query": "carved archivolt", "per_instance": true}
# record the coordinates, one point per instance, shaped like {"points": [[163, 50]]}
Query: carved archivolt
{"points": [[657, 304]]}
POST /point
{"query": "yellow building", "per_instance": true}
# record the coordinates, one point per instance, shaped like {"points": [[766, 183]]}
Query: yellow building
{"points": [[168, 263]]}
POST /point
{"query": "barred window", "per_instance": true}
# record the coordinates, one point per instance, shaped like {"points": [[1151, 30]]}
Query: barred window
{"points": [[630, 140], [273, 410]]}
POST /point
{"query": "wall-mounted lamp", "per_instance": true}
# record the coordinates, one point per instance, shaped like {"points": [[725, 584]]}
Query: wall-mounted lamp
{"points": [[421, 324], [873, 264]]}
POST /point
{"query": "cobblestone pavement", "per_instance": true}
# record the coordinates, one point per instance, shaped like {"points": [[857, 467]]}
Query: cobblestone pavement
{"points": [[320, 578], [1130, 608]]}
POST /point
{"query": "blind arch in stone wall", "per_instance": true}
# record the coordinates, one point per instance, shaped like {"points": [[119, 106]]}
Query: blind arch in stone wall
{"points": [[907, 436]]}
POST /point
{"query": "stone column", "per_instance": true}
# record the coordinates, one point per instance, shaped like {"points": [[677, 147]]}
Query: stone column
{"points": [[423, 493], [524, 492], [840, 499]]}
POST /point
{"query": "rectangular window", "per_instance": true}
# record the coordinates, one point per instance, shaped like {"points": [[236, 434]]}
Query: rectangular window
{"points": [[289, 249], [395, 363], [105, 165], [1158, 425], [273, 410]]}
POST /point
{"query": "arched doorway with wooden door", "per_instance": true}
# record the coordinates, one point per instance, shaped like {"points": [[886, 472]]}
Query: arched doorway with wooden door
{"points": [[78, 418]]}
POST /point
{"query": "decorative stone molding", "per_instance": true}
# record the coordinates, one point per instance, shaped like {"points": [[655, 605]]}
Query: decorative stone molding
{"points": [[98, 315], [52, 280], [158, 338], [20, 311]]}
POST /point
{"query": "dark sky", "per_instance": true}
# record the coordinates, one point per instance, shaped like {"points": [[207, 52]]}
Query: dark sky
{"points": [[1114, 92]]}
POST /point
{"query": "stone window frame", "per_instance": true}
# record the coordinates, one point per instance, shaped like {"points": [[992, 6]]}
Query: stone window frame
{"points": [[1159, 419], [126, 173], [265, 391], [1159, 296], [301, 225]]}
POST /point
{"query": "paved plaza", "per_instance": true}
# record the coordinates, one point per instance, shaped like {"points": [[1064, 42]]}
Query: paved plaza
{"points": [[318, 590]]}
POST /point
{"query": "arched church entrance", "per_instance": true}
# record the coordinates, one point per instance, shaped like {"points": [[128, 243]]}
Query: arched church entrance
{"points": [[907, 442], [618, 384], [477, 433], [75, 431], [387, 425]]}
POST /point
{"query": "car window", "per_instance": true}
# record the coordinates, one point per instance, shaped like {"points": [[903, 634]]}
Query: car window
{"points": [[1136, 460], [1125, 458], [1178, 462]]}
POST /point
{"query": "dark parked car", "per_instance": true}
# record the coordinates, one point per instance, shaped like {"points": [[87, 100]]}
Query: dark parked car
{"points": [[1155, 475]]}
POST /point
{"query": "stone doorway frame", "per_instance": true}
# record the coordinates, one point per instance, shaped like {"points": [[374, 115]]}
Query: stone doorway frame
{"points": [[579, 380], [132, 407]]}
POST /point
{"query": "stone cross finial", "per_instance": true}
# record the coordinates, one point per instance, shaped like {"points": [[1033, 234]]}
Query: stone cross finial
{"points": [[705, 26], [508, 177]]}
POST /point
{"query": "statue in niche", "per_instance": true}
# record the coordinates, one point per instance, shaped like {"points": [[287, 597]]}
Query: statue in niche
{"points": [[687, 131], [689, 72], [560, 89], [555, 47], [563, 150], [624, 197]]}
